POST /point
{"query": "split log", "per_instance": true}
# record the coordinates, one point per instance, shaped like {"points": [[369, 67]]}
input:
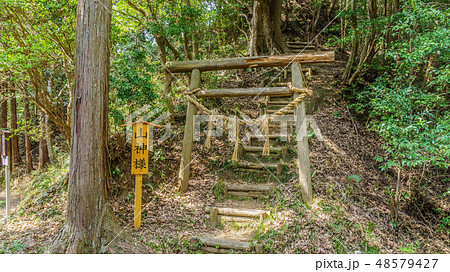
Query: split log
{"points": [[222, 243], [249, 62], [241, 92], [239, 212]]}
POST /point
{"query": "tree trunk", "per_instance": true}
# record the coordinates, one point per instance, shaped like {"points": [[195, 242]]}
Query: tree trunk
{"points": [[43, 148], [48, 138], [29, 158], [90, 224], [265, 29], [161, 43], [3, 110], [349, 67], [14, 139]]}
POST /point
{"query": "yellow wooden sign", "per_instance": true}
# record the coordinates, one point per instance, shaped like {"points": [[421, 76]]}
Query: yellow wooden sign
{"points": [[139, 164], [139, 153]]}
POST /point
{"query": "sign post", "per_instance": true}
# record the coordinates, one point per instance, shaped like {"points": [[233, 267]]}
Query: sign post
{"points": [[139, 164], [5, 147]]}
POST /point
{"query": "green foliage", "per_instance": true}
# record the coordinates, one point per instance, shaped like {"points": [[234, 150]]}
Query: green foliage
{"points": [[46, 190], [411, 248], [132, 74], [219, 190], [354, 178], [408, 102], [13, 247]]}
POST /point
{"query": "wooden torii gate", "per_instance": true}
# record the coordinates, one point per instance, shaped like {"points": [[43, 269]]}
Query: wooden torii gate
{"points": [[196, 67]]}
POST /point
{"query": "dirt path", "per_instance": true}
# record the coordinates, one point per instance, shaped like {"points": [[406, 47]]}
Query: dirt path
{"points": [[14, 203]]}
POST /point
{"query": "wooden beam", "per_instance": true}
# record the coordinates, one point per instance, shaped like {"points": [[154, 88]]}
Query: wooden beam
{"points": [[249, 62], [241, 92], [302, 138], [188, 140]]}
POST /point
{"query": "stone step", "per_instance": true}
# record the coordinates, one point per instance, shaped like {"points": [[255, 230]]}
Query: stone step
{"points": [[223, 246]]}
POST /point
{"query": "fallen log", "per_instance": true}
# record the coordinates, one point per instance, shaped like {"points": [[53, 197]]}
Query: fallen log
{"points": [[249, 62]]}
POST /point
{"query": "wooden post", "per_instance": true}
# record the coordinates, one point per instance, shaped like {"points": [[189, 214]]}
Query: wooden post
{"points": [[137, 201], [188, 140], [139, 164], [302, 138]]}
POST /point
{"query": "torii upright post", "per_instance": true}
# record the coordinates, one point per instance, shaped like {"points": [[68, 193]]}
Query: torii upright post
{"points": [[188, 141], [302, 137]]}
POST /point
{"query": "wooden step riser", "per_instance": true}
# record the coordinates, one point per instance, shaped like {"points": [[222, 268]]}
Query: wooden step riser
{"points": [[250, 187], [238, 212], [231, 219], [289, 112], [264, 167], [280, 140], [224, 246], [251, 194]]}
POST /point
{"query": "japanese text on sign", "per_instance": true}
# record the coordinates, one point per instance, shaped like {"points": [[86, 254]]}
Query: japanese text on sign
{"points": [[139, 153]]}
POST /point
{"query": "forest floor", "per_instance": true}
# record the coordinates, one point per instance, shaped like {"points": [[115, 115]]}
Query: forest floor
{"points": [[352, 209]]}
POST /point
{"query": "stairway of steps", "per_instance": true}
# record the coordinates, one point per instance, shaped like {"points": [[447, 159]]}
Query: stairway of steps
{"points": [[244, 210], [300, 46]]}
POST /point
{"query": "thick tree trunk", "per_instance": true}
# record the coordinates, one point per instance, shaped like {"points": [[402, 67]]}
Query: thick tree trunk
{"points": [[43, 148], [29, 158], [14, 139], [265, 29], [90, 223]]}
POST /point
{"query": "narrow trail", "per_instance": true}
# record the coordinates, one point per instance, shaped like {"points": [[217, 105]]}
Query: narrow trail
{"points": [[15, 201]]}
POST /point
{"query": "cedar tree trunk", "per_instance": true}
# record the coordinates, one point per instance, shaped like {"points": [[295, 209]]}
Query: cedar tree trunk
{"points": [[14, 139], [29, 158], [90, 223]]}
